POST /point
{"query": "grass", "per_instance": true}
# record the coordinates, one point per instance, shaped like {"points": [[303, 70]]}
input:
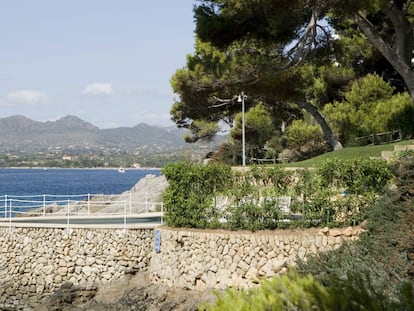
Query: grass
{"points": [[349, 153]]}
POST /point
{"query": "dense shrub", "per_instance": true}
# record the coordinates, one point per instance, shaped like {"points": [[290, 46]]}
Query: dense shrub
{"points": [[376, 272], [305, 139], [357, 176], [370, 107], [255, 194], [383, 257], [190, 190], [288, 292], [294, 292], [336, 193]]}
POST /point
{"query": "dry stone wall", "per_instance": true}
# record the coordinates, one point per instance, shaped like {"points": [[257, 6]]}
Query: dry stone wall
{"points": [[196, 259], [34, 262]]}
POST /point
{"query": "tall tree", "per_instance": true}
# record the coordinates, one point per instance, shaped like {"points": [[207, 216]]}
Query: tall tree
{"points": [[300, 26], [258, 128], [209, 84], [213, 73]]}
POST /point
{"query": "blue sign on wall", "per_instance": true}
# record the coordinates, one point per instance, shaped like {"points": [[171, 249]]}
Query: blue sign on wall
{"points": [[157, 240]]}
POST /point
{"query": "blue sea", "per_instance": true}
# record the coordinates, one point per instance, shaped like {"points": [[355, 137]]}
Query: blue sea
{"points": [[24, 189], [30, 182]]}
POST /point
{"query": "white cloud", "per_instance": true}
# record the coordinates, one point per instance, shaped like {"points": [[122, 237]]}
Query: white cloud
{"points": [[27, 97], [98, 89], [146, 93]]}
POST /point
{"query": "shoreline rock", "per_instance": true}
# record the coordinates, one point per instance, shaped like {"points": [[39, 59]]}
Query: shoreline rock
{"points": [[132, 292], [145, 195]]}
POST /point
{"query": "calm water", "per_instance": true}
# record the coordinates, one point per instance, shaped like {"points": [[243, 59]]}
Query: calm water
{"points": [[68, 181]]}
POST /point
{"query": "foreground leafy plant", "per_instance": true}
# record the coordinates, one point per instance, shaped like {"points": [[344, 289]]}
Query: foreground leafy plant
{"points": [[288, 292], [295, 292], [381, 261]]}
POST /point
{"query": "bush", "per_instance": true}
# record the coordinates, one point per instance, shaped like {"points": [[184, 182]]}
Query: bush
{"points": [[253, 197], [190, 190], [305, 139], [288, 292], [294, 292], [356, 176], [382, 258]]}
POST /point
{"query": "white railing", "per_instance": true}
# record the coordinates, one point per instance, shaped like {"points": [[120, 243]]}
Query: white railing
{"points": [[13, 207], [81, 204]]}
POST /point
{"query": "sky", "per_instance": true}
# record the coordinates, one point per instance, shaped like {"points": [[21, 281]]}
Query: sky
{"points": [[108, 62]]}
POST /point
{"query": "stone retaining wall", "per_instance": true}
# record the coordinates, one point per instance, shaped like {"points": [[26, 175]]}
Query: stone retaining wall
{"points": [[34, 262], [197, 259]]}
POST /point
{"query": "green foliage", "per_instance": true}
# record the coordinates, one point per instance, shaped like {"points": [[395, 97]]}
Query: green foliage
{"points": [[372, 273], [349, 153], [247, 47], [402, 114], [256, 195], [353, 49], [292, 291], [325, 83], [288, 292], [358, 176], [359, 182], [370, 107], [258, 129], [187, 199], [300, 133], [370, 89], [228, 153], [254, 198], [201, 130], [379, 263]]}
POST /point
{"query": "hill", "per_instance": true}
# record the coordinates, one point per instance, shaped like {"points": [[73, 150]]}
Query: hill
{"points": [[19, 133]]}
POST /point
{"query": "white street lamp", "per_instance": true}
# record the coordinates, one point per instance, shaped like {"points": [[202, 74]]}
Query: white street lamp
{"points": [[240, 99]]}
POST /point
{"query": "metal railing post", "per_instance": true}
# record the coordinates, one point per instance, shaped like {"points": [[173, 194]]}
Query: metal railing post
{"points": [[5, 205], [89, 203], [44, 204], [130, 202], [10, 215], [125, 216], [68, 219]]}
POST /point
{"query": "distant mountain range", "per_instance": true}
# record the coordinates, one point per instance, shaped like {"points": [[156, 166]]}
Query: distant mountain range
{"points": [[19, 133]]}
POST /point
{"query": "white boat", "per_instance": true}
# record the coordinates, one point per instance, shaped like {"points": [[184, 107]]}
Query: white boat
{"points": [[121, 170]]}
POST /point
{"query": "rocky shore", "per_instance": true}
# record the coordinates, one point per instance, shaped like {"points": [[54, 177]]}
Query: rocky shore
{"points": [[132, 292]]}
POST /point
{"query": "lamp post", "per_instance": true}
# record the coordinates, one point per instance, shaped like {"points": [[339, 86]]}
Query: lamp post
{"points": [[240, 99]]}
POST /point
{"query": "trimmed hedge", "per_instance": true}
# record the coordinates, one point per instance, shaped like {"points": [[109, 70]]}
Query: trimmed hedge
{"points": [[336, 193]]}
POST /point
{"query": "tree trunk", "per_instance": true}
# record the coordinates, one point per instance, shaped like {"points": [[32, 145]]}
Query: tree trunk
{"points": [[327, 132], [398, 56]]}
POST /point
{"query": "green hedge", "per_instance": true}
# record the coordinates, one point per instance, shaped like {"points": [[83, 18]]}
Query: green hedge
{"points": [[190, 191], [334, 194]]}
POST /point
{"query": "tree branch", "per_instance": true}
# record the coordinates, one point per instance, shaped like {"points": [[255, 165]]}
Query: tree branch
{"points": [[403, 31], [374, 37], [301, 49]]}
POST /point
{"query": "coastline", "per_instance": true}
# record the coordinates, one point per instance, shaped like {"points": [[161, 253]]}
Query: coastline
{"points": [[69, 181], [81, 168]]}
